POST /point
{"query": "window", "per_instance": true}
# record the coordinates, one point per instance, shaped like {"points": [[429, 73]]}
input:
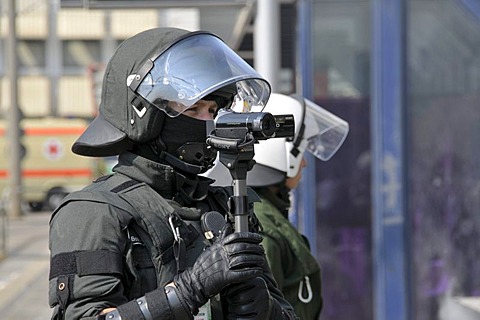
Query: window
{"points": [[31, 55], [79, 54]]}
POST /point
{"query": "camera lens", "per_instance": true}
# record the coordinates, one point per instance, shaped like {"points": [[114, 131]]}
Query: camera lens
{"points": [[262, 125], [268, 125]]}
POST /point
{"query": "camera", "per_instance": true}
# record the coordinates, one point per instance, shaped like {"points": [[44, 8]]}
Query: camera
{"points": [[233, 134], [260, 125]]}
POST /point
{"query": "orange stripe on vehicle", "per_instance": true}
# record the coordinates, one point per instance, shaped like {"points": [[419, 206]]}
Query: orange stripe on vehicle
{"points": [[53, 131], [59, 172], [52, 172]]}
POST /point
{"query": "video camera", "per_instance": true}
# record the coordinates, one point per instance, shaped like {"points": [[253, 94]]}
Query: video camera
{"points": [[233, 135], [231, 131]]}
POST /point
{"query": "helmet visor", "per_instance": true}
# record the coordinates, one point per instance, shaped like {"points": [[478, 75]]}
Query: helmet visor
{"points": [[199, 65], [325, 132]]}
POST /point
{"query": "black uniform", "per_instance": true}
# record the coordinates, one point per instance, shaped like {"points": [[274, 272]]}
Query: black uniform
{"points": [[119, 255]]}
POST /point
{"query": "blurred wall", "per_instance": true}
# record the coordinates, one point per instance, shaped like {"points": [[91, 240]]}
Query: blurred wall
{"points": [[62, 52]]}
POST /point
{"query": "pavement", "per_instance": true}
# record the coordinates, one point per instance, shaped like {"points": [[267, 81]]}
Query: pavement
{"points": [[24, 268]]}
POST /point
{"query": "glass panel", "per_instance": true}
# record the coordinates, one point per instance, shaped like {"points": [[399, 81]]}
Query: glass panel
{"points": [[444, 188], [341, 43], [341, 47]]}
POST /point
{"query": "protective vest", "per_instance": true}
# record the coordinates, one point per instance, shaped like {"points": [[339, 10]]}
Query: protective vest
{"points": [[164, 239]]}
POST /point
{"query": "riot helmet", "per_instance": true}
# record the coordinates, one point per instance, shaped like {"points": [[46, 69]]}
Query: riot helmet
{"points": [[317, 131], [154, 77]]}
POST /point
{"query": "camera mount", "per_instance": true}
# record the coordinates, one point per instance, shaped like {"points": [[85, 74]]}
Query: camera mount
{"points": [[234, 135], [238, 158]]}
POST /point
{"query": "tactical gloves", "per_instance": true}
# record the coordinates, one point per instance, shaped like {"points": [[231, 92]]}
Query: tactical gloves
{"points": [[234, 266], [233, 258], [252, 300]]}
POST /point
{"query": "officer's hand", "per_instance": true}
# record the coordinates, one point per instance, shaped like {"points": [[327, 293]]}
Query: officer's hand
{"points": [[250, 300], [233, 258]]}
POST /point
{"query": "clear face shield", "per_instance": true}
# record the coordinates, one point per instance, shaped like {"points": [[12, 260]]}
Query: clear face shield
{"points": [[194, 67], [324, 133]]}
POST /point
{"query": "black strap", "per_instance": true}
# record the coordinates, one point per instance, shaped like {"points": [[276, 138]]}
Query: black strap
{"points": [[143, 305], [179, 310], [295, 151], [130, 310], [125, 185], [83, 263]]}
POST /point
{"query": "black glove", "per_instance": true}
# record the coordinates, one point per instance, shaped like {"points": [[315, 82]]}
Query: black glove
{"points": [[233, 258], [252, 300]]}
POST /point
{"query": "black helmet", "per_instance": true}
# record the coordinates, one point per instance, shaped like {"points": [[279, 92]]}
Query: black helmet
{"points": [[164, 71]]}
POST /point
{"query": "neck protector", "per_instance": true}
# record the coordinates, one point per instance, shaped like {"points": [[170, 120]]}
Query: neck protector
{"points": [[184, 188]]}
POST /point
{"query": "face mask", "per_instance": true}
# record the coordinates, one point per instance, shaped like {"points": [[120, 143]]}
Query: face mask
{"points": [[184, 138]]}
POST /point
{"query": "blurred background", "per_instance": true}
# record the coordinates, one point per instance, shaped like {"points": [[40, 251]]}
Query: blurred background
{"points": [[393, 217]]}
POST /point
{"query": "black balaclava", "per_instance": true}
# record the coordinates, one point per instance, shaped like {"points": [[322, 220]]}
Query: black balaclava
{"points": [[181, 144], [184, 138], [177, 131]]}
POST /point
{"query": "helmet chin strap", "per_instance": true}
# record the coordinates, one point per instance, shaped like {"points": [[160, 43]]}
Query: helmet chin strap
{"points": [[181, 165], [193, 158], [295, 151], [182, 144], [154, 151]]}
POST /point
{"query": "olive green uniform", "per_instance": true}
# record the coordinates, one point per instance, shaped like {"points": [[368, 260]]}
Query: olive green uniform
{"points": [[290, 260]]}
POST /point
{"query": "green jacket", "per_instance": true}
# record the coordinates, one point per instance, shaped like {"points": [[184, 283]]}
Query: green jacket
{"points": [[290, 260], [105, 253]]}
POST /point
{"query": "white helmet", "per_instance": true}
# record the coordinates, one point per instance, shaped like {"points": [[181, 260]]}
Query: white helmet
{"points": [[316, 130]]}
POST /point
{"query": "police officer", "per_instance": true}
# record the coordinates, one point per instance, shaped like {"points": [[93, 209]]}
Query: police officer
{"points": [[277, 171], [137, 244]]}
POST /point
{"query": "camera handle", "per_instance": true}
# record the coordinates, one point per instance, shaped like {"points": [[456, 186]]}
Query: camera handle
{"points": [[237, 156]]}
